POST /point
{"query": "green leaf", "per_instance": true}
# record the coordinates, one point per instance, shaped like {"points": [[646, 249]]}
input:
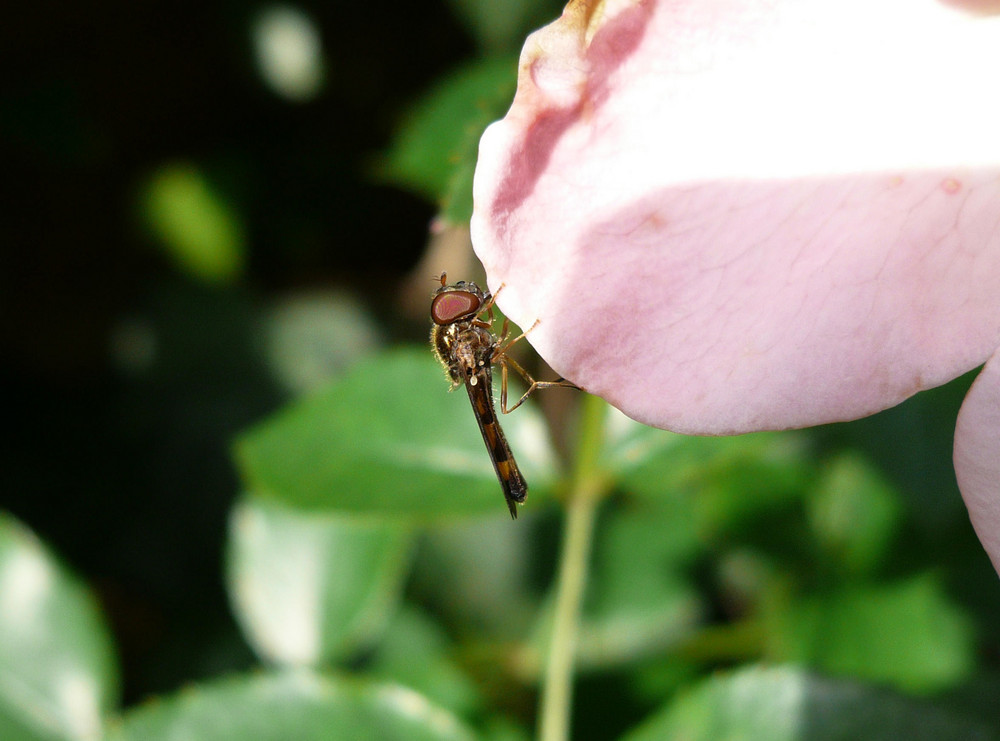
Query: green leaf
{"points": [[435, 148], [977, 697], [58, 675], [456, 205], [21, 729], [638, 604], [912, 444], [308, 588], [716, 483], [784, 704], [503, 25], [198, 228], [630, 447], [415, 653], [475, 573], [300, 706], [502, 728], [389, 439], [909, 634], [639, 601], [854, 513], [311, 337]]}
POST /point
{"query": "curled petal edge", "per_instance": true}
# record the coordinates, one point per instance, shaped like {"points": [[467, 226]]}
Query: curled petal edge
{"points": [[977, 456]]}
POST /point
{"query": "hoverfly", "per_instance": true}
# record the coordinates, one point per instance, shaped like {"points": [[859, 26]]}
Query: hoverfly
{"points": [[465, 344]]}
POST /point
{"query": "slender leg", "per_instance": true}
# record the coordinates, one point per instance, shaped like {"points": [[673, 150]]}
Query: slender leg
{"points": [[506, 344], [500, 357], [488, 307], [533, 385]]}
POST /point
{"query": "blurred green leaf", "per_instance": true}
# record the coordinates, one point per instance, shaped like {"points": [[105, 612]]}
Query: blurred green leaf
{"points": [[976, 698], [719, 482], [502, 26], [477, 574], [501, 728], [909, 634], [414, 653], [639, 599], [312, 587], [664, 676], [197, 227], [784, 704], [58, 675], [630, 447], [22, 729], [300, 706], [456, 205], [311, 337], [633, 562], [854, 512], [388, 438], [912, 444], [435, 148]]}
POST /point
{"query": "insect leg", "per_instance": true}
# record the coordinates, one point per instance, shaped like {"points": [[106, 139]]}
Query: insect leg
{"points": [[506, 344], [533, 385], [487, 308]]}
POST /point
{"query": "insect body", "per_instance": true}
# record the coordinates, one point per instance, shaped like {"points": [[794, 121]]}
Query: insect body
{"points": [[465, 344]]}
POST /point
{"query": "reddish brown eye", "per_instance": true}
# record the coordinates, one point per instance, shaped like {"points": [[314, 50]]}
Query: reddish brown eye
{"points": [[451, 306]]}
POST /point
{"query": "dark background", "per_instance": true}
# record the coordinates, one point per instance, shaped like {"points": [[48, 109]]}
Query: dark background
{"points": [[125, 472]]}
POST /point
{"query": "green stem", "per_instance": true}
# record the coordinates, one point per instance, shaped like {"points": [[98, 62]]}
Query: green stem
{"points": [[586, 488]]}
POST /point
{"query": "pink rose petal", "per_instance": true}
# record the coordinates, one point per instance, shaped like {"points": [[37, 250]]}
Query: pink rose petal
{"points": [[977, 456], [733, 215]]}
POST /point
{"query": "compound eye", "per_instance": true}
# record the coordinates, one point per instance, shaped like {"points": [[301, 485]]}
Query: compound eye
{"points": [[451, 306]]}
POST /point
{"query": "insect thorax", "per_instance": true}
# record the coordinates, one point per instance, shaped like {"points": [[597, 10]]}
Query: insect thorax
{"points": [[463, 349]]}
